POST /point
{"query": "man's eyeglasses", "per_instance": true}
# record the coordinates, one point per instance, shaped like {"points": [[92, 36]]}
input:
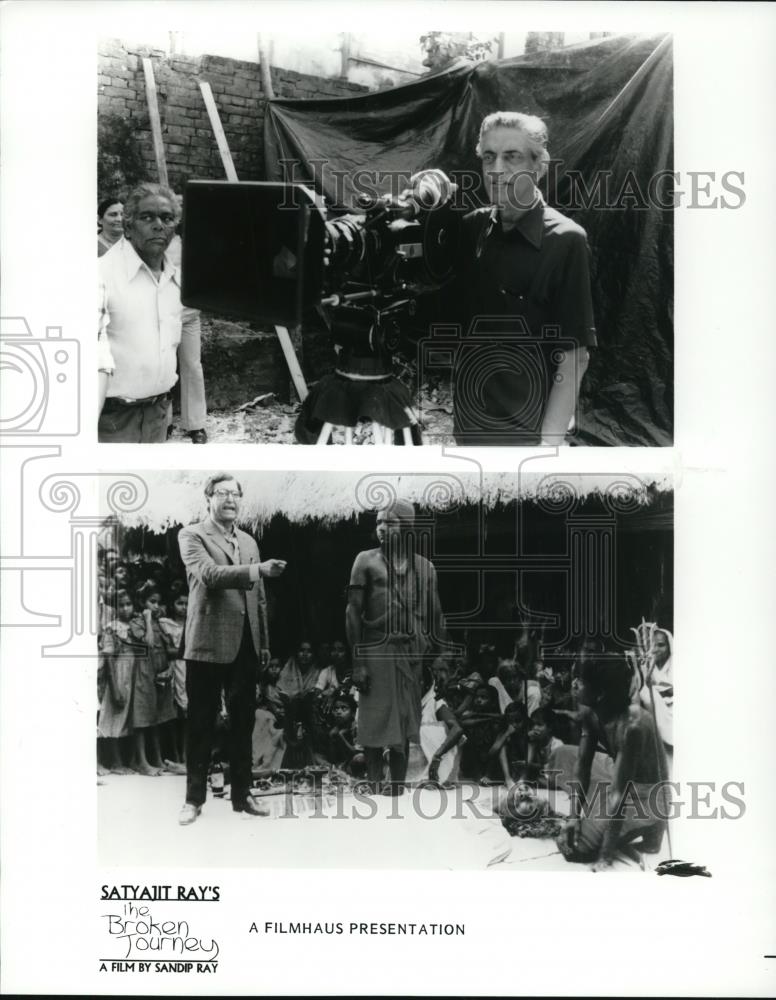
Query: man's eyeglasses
{"points": [[165, 218], [223, 494]]}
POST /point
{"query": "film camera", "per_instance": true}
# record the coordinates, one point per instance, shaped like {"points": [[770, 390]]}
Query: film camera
{"points": [[274, 253]]}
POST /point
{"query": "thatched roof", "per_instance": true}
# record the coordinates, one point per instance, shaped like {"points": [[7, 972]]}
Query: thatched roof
{"points": [[161, 499]]}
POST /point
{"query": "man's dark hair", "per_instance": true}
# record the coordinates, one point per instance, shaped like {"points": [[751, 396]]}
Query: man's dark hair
{"points": [[220, 477], [609, 681]]}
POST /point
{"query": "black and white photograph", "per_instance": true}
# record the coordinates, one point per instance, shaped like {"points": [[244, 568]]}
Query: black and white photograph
{"points": [[402, 237], [485, 710], [488, 659]]}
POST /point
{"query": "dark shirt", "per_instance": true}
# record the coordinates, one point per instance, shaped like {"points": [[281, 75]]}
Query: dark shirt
{"points": [[527, 301]]}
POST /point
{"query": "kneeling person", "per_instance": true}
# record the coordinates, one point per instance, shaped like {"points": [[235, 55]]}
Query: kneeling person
{"points": [[630, 806]]}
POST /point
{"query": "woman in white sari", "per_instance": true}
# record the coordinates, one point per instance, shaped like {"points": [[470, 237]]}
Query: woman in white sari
{"points": [[661, 679]]}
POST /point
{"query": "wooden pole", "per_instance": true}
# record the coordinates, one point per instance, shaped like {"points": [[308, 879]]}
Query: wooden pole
{"points": [[156, 124], [294, 368], [345, 55], [264, 70], [218, 131], [285, 338]]}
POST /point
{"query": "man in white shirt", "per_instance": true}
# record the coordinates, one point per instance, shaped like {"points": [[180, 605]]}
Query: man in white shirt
{"points": [[140, 321]]}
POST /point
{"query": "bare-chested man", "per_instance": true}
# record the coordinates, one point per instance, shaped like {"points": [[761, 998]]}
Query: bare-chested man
{"points": [[393, 623], [635, 802]]}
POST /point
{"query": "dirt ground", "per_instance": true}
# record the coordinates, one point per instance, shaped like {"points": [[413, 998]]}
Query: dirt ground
{"points": [[272, 422], [138, 826]]}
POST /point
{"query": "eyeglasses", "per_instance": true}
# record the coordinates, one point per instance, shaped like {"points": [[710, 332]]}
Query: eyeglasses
{"points": [[164, 217], [223, 494]]}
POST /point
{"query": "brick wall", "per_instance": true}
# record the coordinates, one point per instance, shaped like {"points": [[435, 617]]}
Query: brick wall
{"points": [[190, 146]]}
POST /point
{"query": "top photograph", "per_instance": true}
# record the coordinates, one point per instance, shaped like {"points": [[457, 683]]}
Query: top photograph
{"points": [[404, 238]]}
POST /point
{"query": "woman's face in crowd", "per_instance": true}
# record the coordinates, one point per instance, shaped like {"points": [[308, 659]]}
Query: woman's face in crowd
{"points": [[441, 679], [154, 604], [338, 653], [125, 609], [305, 655], [181, 606], [660, 648], [112, 221]]}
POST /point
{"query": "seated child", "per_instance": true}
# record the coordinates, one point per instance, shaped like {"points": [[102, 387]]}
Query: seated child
{"points": [[270, 699], [342, 749], [268, 739], [440, 731], [541, 745], [510, 746], [482, 725]]}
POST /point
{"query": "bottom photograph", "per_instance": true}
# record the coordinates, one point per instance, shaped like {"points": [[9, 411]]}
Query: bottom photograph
{"points": [[344, 670]]}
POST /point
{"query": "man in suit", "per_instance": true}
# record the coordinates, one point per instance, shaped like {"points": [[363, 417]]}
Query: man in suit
{"points": [[225, 640]]}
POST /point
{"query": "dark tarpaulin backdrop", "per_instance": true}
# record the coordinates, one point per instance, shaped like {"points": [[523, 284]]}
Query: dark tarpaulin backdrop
{"points": [[608, 106]]}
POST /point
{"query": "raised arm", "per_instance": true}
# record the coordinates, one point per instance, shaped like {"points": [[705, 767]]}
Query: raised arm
{"points": [[204, 568], [587, 744], [454, 736]]}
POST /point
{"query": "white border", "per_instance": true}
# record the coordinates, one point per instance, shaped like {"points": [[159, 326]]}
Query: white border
{"points": [[564, 933]]}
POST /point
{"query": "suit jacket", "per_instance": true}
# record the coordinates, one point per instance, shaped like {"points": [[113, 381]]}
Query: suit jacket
{"points": [[221, 594]]}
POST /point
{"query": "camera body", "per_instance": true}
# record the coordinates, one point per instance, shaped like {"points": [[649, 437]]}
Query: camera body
{"points": [[41, 381], [274, 254], [502, 373]]}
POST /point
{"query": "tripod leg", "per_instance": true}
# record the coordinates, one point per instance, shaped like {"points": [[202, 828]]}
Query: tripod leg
{"points": [[323, 437], [416, 428]]}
